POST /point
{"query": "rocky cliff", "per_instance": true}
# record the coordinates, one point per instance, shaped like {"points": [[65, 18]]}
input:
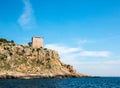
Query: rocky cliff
{"points": [[18, 61]]}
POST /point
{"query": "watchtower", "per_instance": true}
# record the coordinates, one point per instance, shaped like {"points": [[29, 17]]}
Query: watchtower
{"points": [[37, 42]]}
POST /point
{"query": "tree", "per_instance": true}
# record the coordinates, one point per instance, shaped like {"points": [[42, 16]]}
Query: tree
{"points": [[12, 41]]}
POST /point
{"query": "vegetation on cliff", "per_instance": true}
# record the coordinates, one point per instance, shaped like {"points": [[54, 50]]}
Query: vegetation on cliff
{"points": [[26, 60]]}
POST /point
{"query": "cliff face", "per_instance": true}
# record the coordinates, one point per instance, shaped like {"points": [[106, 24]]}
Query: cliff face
{"points": [[27, 61]]}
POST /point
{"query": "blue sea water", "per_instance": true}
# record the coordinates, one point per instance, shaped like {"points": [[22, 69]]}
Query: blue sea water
{"points": [[103, 82]]}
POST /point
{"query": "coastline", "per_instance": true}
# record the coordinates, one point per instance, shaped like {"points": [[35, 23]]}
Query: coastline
{"points": [[17, 75]]}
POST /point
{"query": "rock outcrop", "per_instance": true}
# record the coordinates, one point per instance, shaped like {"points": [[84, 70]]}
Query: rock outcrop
{"points": [[18, 61]]}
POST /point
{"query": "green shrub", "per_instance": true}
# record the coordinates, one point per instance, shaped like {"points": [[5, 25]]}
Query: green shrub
{"points": [[12, 41], [33, 50], [0, 43], [7, 66], [20, 53], [38, 49], [1, 57], [6, 48], [3, 40], [45, 48], [10, 53], [6, 41]]}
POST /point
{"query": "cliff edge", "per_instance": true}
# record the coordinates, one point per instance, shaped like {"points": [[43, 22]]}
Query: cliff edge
{"points": [[18, 61]]}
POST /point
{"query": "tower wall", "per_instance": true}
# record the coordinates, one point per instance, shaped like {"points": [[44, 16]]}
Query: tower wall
{"points": [[37, 42]]}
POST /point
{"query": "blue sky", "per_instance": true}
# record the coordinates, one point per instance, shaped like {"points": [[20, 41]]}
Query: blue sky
{"points": [[86, 33]]}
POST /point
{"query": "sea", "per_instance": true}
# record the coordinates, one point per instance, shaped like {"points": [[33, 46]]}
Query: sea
{"points": [[102, 82]]}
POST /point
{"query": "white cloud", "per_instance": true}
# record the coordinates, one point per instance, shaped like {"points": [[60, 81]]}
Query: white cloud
{"points": [[95, 53], [83, 41], [70, 55], [98, 68], [95, 67], [77, 51], [66, 53], [62, 49], [27, 20]]}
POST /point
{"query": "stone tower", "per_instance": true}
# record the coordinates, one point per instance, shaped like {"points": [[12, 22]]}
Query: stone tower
{"points": [[37, 42]]}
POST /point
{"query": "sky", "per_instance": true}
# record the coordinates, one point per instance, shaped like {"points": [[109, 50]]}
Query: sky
{"points": [[86, 33]]}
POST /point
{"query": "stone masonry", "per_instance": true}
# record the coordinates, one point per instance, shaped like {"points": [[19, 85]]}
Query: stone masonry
{"points": [[37, 42]]}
